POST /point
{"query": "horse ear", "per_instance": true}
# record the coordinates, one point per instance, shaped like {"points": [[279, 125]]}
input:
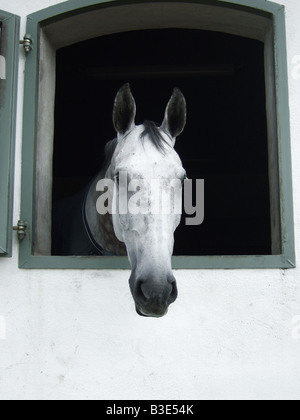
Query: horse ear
{"points": [[175, 116], [124, 110]]}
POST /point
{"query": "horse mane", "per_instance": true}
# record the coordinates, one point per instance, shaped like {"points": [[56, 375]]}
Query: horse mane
{"points": [[151, 130]]}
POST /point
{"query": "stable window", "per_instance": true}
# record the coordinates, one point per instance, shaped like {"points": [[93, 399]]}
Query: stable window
{"points": [[9, 46], [230, 62]]}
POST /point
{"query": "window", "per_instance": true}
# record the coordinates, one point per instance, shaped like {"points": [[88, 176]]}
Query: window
{"points": [[9, 46], [233, 78], [225, 141]]}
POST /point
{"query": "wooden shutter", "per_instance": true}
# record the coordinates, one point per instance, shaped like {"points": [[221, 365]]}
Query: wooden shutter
{"points": [[9, 49]]}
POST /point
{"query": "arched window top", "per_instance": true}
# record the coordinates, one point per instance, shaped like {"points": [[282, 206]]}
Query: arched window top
{"points": [[78, 21]]}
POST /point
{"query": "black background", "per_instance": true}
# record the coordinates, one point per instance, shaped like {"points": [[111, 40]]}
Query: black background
{"points": [[225, 140]]}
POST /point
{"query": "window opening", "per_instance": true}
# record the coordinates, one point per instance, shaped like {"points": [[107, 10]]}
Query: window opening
{"points": [[225, 141]]}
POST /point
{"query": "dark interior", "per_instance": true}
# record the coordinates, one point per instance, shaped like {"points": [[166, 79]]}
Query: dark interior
{"points": [[225, 140]]}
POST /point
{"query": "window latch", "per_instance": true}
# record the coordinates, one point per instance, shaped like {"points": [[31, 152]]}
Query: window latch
{"points": [[27, 43], [21, 229]]}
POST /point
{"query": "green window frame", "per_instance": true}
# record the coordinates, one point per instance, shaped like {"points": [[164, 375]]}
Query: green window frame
{"points": [[59, 20], [9, 50]]}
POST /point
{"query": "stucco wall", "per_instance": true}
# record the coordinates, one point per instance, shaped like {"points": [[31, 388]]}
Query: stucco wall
{"points": [[75, 334]]}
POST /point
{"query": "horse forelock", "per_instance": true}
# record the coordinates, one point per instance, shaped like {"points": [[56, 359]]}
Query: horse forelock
{"points": [[153, 133]]}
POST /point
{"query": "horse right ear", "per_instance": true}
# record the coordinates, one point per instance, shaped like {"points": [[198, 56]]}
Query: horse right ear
{"points": [[124, 110], [175, 116]]}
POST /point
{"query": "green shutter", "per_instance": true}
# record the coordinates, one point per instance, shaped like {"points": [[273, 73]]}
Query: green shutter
{"points": [[9, 48]]}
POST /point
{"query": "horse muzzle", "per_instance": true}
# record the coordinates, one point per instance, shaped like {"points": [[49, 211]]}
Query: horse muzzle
{"points": [[154, 296]]}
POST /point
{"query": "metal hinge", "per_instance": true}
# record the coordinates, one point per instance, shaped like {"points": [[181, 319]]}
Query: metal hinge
{"points": [[21, 229], [27, 43]]}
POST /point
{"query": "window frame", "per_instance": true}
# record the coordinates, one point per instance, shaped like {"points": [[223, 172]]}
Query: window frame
{"points": [[286, 259], [10, 51]]}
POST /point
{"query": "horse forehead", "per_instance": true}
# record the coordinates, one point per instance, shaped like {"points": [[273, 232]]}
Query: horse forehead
{"points": [[143, 156], [151, 163]]}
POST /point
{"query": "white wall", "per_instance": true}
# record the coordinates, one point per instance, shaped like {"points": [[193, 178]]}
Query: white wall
{"points": [[75, 334]]}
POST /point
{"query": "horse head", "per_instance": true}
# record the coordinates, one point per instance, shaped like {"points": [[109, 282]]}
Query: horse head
{"points": [[148, 176]]}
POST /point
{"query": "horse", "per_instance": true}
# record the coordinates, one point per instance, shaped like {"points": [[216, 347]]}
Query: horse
{"points": [[141, 154]]}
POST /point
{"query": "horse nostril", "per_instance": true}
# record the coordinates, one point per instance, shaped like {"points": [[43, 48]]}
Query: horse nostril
{"points": [[140, 295], [174, 292]]}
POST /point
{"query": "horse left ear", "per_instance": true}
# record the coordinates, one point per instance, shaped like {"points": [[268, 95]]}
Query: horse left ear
{"points": [[124, 110], [175, 116]]}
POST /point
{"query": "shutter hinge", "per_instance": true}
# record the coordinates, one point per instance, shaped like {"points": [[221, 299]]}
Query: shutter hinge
{"points": [[21, 229], [27, 43]]}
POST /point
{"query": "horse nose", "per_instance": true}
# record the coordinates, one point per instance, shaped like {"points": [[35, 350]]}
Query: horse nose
{"points": [[154, 297]]}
